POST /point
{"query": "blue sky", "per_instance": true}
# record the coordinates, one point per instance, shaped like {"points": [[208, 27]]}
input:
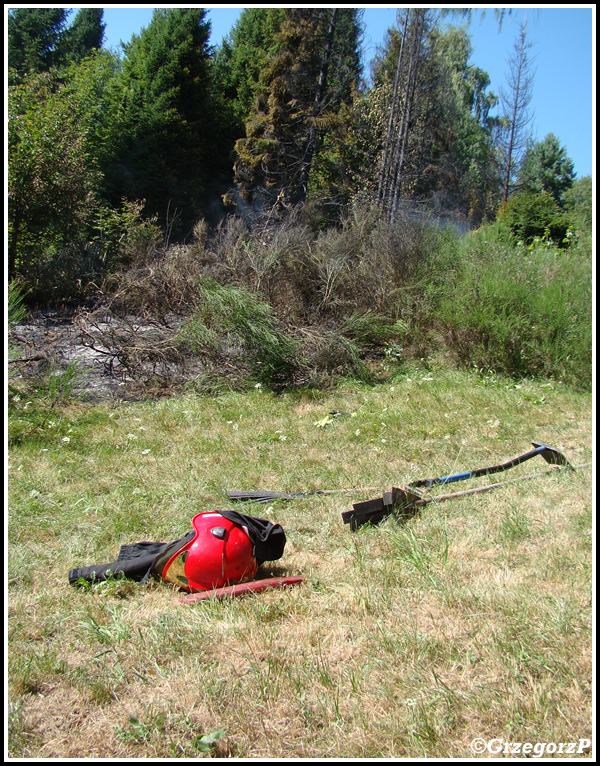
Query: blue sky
{"points": [[563, 40]]}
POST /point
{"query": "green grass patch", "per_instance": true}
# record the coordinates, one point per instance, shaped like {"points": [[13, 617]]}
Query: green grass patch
{"points": [[472, 619]]}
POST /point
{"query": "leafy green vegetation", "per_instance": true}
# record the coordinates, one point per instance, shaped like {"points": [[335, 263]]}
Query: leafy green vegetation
{"points": [[530, 217], [522, 311]]}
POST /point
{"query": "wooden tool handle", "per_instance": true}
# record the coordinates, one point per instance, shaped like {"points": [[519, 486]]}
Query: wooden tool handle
{"points": [[254, 586]]}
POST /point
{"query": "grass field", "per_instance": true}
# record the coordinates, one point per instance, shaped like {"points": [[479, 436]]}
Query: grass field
{"points": [[471, 620]]}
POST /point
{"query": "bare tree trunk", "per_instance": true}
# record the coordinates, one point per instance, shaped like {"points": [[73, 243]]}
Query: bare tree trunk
{"points": [[384, 178], [409, 101], [311, 141], [397, 139], [520, 84], [509, 155]]}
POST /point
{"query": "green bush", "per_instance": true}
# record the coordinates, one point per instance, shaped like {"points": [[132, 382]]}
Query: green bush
{"points": [[232, 321], [522, 312], [530, 216]]}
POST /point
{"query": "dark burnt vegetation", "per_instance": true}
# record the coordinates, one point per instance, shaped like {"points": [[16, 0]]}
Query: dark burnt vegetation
{"points": [[278, 303]]}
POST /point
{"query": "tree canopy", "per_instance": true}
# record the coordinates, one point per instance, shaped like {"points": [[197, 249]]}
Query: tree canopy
{"points": [[277, 115], [547, 168], [40, 38]]}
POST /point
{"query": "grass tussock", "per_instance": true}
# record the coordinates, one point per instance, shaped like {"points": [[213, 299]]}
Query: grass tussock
{"points": [[472, 619]]}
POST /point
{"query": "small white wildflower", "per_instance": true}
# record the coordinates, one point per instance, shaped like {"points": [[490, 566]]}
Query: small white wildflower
{"points": [[258, 385], [384, 441], [145, 451], [282, 438], [66, 439], [131, 436], [392, 388], [357, 432]]}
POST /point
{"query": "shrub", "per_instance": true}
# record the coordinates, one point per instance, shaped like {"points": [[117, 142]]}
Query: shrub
{"points": [[522, 312], [371, 330], [530, 216], [327, 354], [124, 237], [232, 321]]}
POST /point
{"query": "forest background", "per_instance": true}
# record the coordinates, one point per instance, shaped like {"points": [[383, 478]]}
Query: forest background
{"points": [[268, 182], [563, 40]]}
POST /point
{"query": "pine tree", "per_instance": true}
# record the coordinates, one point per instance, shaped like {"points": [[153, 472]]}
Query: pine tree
{"points": [[86, 34], [40, 39], [243, 55], [167, 146], [308, 78], [34, 36], [547, 169]]}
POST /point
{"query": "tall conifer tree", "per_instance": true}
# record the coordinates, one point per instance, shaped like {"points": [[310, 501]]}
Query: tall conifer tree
{"points": [[546, 168], [34, 36], [167, 146], [310, 75], [85, 34]]}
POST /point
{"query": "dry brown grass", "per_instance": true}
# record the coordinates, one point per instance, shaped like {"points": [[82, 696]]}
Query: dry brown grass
{"points": [[405, 640]]}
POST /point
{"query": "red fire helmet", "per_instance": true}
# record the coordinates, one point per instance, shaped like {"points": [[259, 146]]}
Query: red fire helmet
{"points": [[221, 553]]}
